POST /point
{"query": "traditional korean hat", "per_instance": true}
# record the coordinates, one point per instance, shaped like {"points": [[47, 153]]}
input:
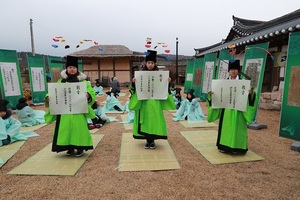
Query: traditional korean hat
{"points": [[178, 90], [3, 104], [234, 64], [191, 92], [22, 100], [151, 56], [72, 61], [97, 81]]}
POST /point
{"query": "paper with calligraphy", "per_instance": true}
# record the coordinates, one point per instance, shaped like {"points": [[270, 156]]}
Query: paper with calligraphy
{"points": [[294, 87], [231, 94], [208, 75], [38, 80], [151, 84], [10, 79], [67, 98]]}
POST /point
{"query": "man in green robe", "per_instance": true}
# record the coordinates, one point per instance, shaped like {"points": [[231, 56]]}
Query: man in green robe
{"points": [[232, 131], [71, 130], [149, 121]]}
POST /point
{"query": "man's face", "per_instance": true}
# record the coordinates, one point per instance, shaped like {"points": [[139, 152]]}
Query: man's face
{"points": [[150, 65], [2, 113], [72, 70]]}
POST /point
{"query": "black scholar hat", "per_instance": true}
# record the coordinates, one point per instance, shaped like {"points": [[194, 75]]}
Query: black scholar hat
{"points": [[151, 56], [72, 61], [234, 64]]}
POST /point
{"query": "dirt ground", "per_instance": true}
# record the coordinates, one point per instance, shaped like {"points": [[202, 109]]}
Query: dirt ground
{"points": [[276, 177]]}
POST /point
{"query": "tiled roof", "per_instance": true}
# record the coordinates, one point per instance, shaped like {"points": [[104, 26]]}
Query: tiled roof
{"points": [[246, 31]]}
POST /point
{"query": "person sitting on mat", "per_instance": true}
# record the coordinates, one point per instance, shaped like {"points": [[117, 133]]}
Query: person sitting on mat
{"points": [[27, 116], [112, 103], [10, 127], [190, 109]]}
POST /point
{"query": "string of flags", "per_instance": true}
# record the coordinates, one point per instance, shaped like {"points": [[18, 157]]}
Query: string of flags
{"points": [[158, 44], [60, 39]]}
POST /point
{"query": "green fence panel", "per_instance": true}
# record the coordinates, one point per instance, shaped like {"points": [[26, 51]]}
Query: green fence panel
{"points": [[36, 68], [188, 83], [198, 71], [290, 111], [55, 67], [10, 82]]}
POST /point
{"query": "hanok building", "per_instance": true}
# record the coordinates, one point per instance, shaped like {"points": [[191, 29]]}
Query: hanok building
{"points": [[106, 61], [248, 32]]}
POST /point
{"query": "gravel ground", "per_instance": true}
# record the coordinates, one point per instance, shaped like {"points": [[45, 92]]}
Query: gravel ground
{"points": [[276, 177]]}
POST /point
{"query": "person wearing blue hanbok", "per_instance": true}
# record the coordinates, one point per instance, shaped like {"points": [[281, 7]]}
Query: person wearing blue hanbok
{"points": [[130, 114], [28, 116], [190, 110], [112, 103], [10, 127], [178, 99], [98, 88], [173, 90]]}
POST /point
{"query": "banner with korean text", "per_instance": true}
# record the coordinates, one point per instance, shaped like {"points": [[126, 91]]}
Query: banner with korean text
{"points": [[10, 82], [189, 75], [67, 98], [151, 84], [208, 75], [290, 111], [254, 66], [222, 71], [36, 68]]}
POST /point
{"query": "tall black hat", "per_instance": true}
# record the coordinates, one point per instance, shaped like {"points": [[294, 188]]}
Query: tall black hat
{"points": [[191, 91], [151, 56], [97, 81], [72, 61], [22, 100], [234, 64], [3, 104], [178, 90]]}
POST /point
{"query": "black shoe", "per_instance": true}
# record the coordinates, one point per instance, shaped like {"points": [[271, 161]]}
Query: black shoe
{"points": [[98, 125], [70, 152], [152, 145], [91, 126], [147, 145], [79, 152]]}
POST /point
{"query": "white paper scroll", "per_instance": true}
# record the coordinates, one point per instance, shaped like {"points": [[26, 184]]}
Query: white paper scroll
{"points": [[38, 80], [151, 84], [10, 79], [67, 98], [231, 94]]}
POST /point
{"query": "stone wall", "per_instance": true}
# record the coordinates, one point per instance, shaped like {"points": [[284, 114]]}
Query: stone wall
{"points": [[270, 100]]}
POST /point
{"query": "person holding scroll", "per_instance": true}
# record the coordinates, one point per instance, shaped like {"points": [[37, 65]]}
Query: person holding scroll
{"points": [[71, 131], [232, 132], [149, 121]]}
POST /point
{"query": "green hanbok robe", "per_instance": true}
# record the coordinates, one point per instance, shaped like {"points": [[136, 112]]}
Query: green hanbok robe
{"points": [[71, 130], [149, 120], [232, 130]]}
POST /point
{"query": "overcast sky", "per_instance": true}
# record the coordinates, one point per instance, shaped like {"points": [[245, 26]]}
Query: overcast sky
{"points": [[196, 23]]}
